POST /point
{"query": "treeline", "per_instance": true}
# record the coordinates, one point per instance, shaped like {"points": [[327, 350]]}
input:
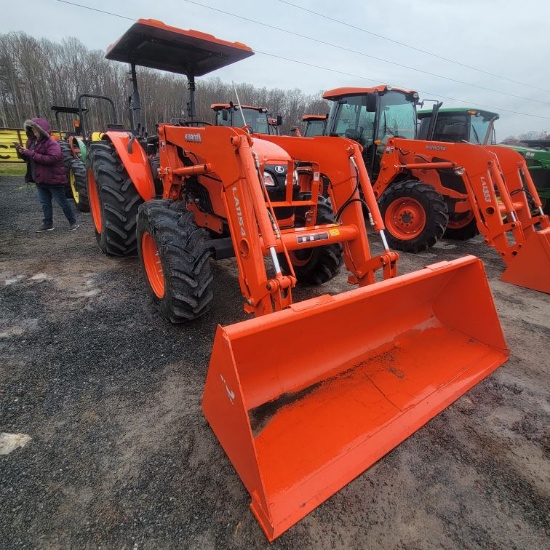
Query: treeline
{"points": [[36, 74]]}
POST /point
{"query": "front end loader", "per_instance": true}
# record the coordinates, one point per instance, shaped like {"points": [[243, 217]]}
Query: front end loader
{"points": [[536, 153], [304, 396], [428, 189], [477, 126]]}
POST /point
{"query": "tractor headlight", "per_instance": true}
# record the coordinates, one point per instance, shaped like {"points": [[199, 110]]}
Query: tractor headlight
{"points": [[268, 180]]}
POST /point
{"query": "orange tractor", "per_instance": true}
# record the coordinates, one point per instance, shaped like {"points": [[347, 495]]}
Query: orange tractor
{"points": [[304, 396], [428, 189], [315, 125], [255, 119]]}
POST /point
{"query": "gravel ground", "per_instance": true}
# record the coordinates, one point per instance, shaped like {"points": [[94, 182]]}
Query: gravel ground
{"points": [[121, 457]]}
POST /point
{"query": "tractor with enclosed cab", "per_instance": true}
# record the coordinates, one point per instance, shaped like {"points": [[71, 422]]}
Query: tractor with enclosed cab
{"points": [[429, 189]]}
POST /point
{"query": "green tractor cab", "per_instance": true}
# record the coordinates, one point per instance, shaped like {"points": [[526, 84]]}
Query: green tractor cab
{"points": [[477, 126], [458, 125]]}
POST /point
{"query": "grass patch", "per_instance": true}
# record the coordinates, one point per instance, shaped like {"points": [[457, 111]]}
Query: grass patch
{"points": [[12, 168]]}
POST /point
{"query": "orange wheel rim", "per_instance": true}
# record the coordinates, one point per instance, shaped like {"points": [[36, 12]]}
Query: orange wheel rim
{"points": [[460, 221], [152, 264], [93, 197], [405, 218], [300, 258]]}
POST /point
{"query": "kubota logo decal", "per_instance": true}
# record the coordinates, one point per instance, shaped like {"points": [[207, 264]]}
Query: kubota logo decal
{"points": [[193, 138], [436, 147], [239, 212], [485, 190]]}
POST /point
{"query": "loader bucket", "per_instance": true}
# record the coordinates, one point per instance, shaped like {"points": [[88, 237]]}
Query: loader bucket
{"points": [[530, 267], [305, 399]]}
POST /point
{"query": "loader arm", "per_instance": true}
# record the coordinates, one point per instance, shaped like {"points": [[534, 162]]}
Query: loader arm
{"points": [[341, 161], [496, 187], [237, 183], [243, 203], [516, 173]]}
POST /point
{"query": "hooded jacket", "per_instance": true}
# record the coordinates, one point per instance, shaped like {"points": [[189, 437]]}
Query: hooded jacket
{"points": [[45, 155]]}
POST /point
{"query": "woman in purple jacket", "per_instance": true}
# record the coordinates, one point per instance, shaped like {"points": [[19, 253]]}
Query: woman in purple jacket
{"points": [[46, 169]]}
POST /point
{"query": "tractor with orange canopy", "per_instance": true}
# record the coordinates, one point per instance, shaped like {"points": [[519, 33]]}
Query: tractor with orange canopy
{"points": [[303, 396]]}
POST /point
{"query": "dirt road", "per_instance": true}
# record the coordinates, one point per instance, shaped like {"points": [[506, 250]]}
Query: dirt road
{"points": [[121, 456]]}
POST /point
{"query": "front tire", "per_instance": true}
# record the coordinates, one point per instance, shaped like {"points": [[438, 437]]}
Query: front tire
{"points": [[175, 260], [68, 157], [317, 265], [461, 227], [114, 201], [415, 215]]}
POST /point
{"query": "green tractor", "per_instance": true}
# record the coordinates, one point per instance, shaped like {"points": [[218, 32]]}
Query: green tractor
{"points": [[74, 145], [457, 125], [537, 156], [477, 126], [74, 154]]}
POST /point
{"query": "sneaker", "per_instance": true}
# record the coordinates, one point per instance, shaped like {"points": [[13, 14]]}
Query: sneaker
{"points": [[44, 227], [74, 226]]}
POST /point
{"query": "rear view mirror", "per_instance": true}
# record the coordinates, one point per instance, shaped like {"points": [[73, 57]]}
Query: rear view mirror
{"points": [[371, 103]]}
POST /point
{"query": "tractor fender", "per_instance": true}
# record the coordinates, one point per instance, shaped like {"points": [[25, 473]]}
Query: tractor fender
{"points": [[82, 148], [135, 161], [78, 147]]}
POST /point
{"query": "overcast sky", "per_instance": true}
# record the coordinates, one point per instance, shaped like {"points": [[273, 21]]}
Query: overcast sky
{"points": [[490, 54]]}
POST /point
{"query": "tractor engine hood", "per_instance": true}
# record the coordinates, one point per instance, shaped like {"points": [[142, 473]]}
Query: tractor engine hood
{"points": [[271, 154]]}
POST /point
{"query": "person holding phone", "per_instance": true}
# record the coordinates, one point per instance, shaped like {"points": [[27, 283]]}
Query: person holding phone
{"points": [[46, 170]]}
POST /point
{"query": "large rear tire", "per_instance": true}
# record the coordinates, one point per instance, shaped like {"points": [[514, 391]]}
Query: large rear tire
{"points": [[317, 265], [78, 184], [175, 260], [415, 215], [68, 157], [114, 201]]}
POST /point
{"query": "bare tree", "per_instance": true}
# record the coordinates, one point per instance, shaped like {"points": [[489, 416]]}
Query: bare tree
{"points": [[37, 73]]}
